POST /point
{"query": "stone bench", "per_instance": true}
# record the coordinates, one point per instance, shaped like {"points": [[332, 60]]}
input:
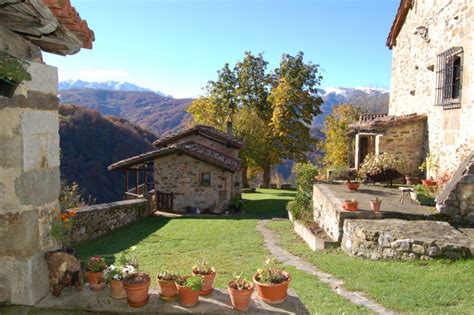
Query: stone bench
{"points": [[217, 303]]}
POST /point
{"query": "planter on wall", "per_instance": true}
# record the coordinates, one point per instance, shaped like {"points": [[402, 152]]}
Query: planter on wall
{"points": [[7, 88], [96, 280], [350, 205], [116, 290], [353, 185]]}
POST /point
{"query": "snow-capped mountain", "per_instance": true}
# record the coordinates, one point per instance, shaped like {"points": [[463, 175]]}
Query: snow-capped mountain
{"points": [[107, 85], [370, 100]]}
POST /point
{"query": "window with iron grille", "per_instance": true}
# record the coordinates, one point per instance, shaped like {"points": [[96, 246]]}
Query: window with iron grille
{"points": [[449, 78]]}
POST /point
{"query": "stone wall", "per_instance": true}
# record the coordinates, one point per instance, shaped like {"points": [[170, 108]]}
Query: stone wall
{"points": [[457, 198], [94, 221], [405, 240], [181, 175], [29, 184], [414, 65], [407, 143]]}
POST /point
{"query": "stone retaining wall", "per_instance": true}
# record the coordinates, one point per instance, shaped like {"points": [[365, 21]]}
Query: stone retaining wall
{"points": [[457, 198], [94, 221], [405, 240]]}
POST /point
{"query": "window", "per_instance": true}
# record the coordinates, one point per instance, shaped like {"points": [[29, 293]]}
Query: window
{"points": [[449, 78], [206, 179]]}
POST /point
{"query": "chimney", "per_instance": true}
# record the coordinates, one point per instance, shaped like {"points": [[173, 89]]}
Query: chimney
{"points": [[229, 127]]}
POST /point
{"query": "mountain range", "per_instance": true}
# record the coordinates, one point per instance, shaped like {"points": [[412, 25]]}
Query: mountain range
{"points": [[107, 85], [164, 114]]}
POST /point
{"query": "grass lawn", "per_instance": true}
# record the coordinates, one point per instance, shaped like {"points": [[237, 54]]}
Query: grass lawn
{"points": [[230, 244], [434, 287]]}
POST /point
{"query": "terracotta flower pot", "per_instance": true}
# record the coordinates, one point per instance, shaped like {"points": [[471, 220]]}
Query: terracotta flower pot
{"points": [[375, 205], [137, 293], [272, 293], [350, 205], [187, 297], [96, 280], [240, 299], [168, 290], [353, 185], [116, 289], [207, 283]]}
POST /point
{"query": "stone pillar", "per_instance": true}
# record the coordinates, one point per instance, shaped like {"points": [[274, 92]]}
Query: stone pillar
{"points": [[29, 184], [356, 152]]}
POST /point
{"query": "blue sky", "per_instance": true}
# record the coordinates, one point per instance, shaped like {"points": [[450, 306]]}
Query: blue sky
{"points": [[176, 46]]}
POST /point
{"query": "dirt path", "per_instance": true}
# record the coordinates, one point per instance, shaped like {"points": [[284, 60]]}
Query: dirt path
{"points": [[271, 241]]}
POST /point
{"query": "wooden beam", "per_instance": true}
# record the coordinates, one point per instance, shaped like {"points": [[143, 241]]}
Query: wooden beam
{"points": [[145, 171]]}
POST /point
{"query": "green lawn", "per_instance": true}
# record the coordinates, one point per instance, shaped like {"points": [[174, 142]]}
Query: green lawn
{"points": [[230, 244], [434, 287]]}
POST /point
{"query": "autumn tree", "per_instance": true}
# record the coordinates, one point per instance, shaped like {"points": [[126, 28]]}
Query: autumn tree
{"points": [[336, 127], [272, 111]]}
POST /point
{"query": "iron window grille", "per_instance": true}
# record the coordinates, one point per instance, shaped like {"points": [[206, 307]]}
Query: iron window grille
{"points": [[449, 78], [206, 179]]}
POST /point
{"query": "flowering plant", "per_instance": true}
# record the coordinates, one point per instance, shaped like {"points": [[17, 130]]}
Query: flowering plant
{"points": [[118, 272], [61, 225], [96, 264], [376, 164]]}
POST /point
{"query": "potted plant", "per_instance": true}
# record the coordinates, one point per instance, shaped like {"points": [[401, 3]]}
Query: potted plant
{"points": [[167, 283], [381, 167], [208, 275], [61, 225], [135, 283], [95, 273], [272, 282], [12, 73], [412, 180], [188, 290], [240, 292], [114, 275], [350, 205], [375, 204], [352, 185]]}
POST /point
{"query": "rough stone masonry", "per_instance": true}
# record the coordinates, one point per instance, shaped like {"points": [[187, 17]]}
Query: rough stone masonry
{"points": [[29, 184]]}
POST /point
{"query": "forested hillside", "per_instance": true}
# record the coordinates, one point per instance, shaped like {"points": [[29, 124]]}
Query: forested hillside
{"points": [[90, 142]]}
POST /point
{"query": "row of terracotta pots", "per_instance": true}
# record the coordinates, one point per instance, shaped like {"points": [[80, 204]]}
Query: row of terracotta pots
{"points": [[137, 293], [353, 205]]}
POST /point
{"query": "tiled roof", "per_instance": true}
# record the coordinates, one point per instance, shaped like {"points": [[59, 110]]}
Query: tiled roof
{"points": [[52, 25], [190, 148], [405, 6], [380, 123], [69, 17], [206, 131]]}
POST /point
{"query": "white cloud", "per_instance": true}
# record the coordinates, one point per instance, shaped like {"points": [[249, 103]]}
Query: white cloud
{"points": [[102, 75]]}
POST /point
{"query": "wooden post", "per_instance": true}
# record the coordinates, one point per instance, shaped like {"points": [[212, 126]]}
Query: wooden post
{"points": [[126, 181], [137, 180], [145, 171]]}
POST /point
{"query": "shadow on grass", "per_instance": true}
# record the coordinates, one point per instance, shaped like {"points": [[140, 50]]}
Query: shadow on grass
{"points": [[121, 239]]}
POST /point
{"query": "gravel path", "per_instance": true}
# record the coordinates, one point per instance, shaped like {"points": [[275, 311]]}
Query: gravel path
{"points": [[271, 241]]}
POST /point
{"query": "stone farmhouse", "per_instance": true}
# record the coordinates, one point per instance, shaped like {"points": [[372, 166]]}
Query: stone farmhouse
{"points": [[29, 141], [197, 169], [431, 106]]}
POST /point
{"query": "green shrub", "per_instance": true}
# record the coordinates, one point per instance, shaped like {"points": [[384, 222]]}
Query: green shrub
{"points": [[424, 196], [13, 69], [301, 207]]}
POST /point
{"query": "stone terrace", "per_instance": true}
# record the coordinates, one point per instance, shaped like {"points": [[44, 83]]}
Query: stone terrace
{"points": [[328, 199]]}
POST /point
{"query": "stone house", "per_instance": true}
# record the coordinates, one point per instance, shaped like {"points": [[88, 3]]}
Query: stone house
{"points": [[431, 106], [197, 168], [29, 141]]}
